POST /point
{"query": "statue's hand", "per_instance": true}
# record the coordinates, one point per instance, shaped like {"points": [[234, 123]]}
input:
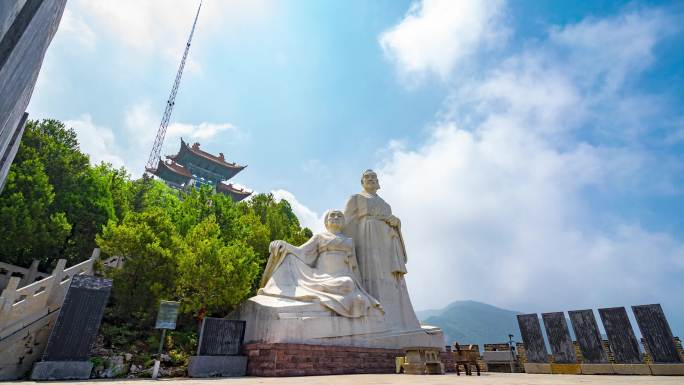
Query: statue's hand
{"points": [[276, 246], [394, 221]]}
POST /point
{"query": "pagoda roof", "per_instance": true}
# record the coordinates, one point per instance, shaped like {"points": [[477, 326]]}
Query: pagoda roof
{"points": [[193, 155], [234, 192], [171, 171]]}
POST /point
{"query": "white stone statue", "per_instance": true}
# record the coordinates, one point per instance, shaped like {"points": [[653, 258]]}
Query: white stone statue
{"points": [[380, 251], [323, 269], [319, 293]]}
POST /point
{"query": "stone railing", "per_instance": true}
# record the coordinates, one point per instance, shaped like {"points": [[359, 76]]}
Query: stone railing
{"points": [[21, 306], [28, 276], [115, 262]]}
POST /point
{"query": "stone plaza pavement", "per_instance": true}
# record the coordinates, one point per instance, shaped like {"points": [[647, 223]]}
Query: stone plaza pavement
{"points": [[400, 379]]}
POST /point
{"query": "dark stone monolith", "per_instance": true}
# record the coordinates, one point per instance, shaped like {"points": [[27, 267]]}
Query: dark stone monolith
{"points": [[531, 333]]}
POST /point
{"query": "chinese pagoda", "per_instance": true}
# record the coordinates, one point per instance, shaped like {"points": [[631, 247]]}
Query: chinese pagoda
{"points": [[192, 167]]}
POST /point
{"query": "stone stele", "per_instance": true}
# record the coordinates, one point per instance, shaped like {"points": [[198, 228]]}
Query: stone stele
{"points": [[343, 287]]}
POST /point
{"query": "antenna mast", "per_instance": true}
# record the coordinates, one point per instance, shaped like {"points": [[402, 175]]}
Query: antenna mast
{"points": [[155, 154]]}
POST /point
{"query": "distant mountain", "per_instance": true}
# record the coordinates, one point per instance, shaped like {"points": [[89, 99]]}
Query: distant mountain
{"points": [[471, 322]]}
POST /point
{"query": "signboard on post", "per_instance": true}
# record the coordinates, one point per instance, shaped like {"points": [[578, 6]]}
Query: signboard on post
{"points": [[166, 319], [167, 315]]}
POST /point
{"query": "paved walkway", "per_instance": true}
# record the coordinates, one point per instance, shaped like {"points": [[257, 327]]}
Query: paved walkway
{"points": [[401, 379]]}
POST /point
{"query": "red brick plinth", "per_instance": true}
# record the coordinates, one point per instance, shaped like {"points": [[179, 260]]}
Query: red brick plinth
{"points": [[282, 360]]}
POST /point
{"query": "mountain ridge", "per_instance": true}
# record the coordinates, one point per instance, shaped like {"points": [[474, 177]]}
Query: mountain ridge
{"points": [[472, 322]]}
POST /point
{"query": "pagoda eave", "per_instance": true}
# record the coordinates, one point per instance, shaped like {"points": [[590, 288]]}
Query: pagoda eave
{"points": [[204, 162], [236, 194], [171, 172]]}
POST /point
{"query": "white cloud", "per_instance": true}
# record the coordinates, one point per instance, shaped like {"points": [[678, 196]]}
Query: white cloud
{"points": [[499, 218], [613, 47], [132, 146], [74, 27], [494, 204], [199, 131], [154, 26], [98, 142], [307, 217], [435, 35]]}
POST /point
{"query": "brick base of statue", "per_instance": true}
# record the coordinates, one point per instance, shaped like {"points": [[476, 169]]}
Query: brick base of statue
{"points": [[447, 359], [283, 359]]}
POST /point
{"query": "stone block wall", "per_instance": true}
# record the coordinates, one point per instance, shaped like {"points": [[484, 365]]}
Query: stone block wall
{"points": [[678, 345], [578, 352], [447, 359], [606, 348], [503, 346], [282, 359], [647, 352]]}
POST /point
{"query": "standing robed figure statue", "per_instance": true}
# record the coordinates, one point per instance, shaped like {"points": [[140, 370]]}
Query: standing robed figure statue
{"points": [[380, 252]]}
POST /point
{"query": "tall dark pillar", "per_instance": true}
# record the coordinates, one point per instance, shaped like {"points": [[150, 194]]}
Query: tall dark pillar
{"points": [[26, 30]]}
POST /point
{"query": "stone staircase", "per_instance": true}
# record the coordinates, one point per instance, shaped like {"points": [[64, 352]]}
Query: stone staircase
{"points": [[29, 309]]}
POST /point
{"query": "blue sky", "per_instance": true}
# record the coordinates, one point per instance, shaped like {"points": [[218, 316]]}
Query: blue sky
{"points": [[533, 149]]}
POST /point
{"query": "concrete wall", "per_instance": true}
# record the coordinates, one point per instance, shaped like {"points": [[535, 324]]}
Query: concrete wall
{"points": [[23, 348], [26, 30]]}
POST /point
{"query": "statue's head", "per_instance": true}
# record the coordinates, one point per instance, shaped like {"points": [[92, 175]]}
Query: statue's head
{"points": [[334, 221], [369, 181]]}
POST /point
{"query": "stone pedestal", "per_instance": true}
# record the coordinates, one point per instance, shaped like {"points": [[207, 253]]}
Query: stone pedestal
{"points": [[217, 366], [565, 369], [632, 369], [279, 320], [422, 361], [667, 369], [597, 369], [534, 368], [61, 370]]}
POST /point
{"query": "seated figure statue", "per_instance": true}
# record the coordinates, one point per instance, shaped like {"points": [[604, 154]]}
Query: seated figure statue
{"points": [[324, 269]]}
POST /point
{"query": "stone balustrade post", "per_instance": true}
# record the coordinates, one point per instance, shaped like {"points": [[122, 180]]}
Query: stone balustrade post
{"points": [[7, 299], [8, 274], [30, 275], [94, 258], [57, 275]]}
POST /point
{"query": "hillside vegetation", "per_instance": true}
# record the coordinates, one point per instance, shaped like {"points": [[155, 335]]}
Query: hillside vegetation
{"points": [[196, 247]]}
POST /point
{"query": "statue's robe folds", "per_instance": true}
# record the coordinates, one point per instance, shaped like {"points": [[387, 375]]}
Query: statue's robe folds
{"points": [[381, 256], [323, 269]]}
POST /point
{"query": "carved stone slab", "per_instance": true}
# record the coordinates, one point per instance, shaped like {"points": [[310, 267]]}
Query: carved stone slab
{"points": [[657, 333], [588, 336], [78, 320], [621, 337], [531, 333], [220, 337], [559, 338]]}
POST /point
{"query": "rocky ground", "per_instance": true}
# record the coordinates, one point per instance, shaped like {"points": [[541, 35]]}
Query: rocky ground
{"points": [[110, 363], [382, 379]]}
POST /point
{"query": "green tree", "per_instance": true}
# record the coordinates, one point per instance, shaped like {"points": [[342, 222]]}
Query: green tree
{"points": [[279, 218], [78, 198], [30, 229], [145, 193], [214, 276], [118, 184], [150, 245]]}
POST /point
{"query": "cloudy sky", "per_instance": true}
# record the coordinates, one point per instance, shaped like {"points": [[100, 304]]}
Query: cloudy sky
{"points": [[533, 150]]}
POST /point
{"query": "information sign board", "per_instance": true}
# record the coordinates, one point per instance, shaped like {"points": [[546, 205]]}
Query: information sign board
{"points": [[167, 315]]}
